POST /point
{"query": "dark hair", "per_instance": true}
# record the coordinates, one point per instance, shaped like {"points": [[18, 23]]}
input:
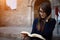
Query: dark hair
{"points": [[46, 7]]}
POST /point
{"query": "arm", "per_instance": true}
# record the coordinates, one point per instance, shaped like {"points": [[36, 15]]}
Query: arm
{"points": [[50, 28], [34, 26]]}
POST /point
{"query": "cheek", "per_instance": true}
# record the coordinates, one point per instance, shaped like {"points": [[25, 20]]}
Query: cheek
{"points": [[44, 14], [41, 14]]}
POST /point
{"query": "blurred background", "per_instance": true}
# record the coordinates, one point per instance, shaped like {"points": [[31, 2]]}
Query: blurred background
{"points": [[18, 15]]}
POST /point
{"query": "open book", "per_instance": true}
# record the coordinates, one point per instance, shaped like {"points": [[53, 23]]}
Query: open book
{"points": [[33, 35]]}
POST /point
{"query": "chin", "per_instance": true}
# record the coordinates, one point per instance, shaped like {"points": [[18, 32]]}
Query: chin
{"points": [[43, 17]]}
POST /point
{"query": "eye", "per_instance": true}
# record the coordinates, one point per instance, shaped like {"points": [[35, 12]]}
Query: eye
{"points": [[41, 11]]}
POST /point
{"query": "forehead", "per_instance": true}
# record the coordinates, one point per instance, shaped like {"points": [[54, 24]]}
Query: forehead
{"points": [[41, 9]]}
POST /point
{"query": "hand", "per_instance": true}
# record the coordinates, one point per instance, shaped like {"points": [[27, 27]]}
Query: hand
{"points": [[23, 35]]}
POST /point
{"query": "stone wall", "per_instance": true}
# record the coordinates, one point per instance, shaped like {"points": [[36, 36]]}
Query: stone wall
{"points": [[18, 17]]}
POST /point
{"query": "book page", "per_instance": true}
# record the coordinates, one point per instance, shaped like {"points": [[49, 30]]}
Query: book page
{"points": [[33, 35], [37, 35]]}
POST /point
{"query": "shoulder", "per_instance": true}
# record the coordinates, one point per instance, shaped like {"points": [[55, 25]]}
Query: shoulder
{"points": [[52, 20], [36, 20]]}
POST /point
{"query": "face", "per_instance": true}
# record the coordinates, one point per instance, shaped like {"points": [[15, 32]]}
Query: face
{"points": [[42, 13]]}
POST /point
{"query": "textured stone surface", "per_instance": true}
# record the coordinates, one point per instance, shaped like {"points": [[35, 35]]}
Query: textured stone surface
{"points": [[13, 32], [18, 17]]}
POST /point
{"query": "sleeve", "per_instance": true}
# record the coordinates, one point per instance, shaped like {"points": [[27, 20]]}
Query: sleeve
{"points": [[34, 27], [50, 28]]}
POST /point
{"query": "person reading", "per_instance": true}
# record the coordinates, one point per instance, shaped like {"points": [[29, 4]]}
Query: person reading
{"points": [[44, 24]]}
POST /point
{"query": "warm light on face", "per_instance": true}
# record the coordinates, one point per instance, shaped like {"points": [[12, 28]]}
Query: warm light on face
{"points": [[42, 13]]}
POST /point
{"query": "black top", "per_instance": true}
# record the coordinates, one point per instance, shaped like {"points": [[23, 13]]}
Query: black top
{"points": [[48, 28]]}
